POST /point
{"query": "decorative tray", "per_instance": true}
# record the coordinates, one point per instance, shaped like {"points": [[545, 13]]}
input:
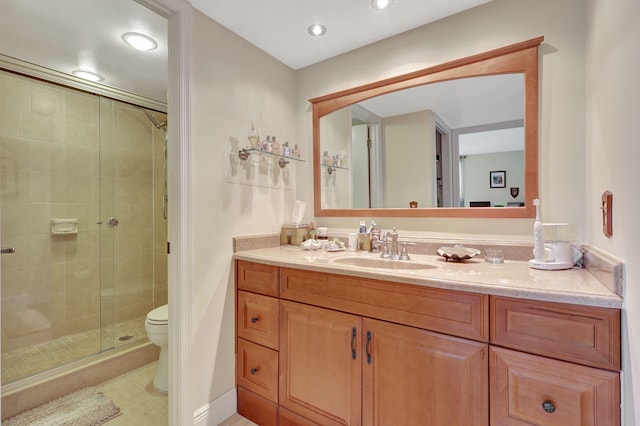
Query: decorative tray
{"points": [[457, 253]]}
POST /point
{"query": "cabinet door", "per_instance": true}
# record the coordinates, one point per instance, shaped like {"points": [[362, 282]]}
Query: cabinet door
{"points": [[416, 377], [532, 390], [320, 364]]}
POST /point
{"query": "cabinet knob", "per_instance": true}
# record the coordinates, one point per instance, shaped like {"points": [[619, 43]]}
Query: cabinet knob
{"points": [[253, 371], [548, 406], [254, 319]]}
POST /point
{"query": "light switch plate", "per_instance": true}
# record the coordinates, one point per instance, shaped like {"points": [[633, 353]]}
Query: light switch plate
{"points": [[607, 213]]}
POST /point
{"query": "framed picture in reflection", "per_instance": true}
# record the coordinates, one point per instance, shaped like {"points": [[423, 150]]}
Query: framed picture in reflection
{"points": [[498, 179]]}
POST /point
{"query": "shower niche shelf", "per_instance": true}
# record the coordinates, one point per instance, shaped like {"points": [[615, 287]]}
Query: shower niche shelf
{"points": [[64, 226], [283, 160]]}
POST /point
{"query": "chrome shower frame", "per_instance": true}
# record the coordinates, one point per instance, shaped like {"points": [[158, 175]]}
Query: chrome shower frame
{"points": [[162, 126]]}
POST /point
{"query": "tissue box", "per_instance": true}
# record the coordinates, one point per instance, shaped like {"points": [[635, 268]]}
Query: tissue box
{"points": [[294, 233]]}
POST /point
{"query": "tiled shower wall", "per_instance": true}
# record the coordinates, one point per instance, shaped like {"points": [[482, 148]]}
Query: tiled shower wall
{"points": [[54, 144]]}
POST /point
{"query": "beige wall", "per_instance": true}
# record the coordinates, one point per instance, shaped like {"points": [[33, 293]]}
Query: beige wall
{"points": [[613, 104], [336, 186], [495, 24], [50, 139], [233, 83], [475, 177], [408, 159]]}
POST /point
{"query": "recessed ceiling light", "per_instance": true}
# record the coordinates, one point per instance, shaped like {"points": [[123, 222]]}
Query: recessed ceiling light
{"points": [[317, 30], [87, 75], [139, 41], [381, 4]]}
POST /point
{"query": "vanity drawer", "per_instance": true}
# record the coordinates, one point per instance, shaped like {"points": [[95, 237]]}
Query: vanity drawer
{"points": [[532, 390], [451, 312], [257, 369], [582, 334], [257, 278], [257, 318]]}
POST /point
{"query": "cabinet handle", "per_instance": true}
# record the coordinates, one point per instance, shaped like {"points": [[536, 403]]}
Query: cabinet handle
{"points": [[354, 331], [254, 370], [254, 319], [548, 406], [369, 335]]}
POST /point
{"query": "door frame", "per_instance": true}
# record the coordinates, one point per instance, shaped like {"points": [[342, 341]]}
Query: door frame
{"points": [[179, 14]]}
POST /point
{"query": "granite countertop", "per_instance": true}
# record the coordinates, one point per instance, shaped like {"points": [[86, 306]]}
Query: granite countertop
{"points": [[512, 278]]}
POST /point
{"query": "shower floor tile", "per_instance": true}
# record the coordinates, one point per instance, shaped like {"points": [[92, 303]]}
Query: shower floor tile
{"points": [[25, 362]]}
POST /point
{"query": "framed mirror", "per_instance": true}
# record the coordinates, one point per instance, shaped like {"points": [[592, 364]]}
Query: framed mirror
{"points": [[458, 139]]}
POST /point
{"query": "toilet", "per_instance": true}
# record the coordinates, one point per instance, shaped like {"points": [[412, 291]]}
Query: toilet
{"points": [[157, 326]]}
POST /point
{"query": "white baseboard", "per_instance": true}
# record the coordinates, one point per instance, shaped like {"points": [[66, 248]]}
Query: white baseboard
{"points": [[217, 411]]}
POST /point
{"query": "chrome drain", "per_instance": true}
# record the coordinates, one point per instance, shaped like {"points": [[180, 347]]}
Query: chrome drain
{"points": [[125, 338]]}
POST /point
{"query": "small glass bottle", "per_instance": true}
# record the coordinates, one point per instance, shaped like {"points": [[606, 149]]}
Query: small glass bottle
{"points": [[275, 146], [296, 152], [286, 150], [254, 138], [325, 159], [266, 143]]}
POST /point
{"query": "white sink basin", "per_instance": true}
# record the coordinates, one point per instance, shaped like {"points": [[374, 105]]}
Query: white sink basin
{"points": [[368, 262]]}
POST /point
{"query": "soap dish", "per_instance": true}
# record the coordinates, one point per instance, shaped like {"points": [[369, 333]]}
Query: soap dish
{"points": [[457, 253]]}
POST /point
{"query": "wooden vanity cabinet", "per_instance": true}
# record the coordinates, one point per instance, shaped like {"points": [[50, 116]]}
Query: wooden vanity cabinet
{"points": [[341, 364], [570, 374], [257, 341], [342, 369], [356, 351]]}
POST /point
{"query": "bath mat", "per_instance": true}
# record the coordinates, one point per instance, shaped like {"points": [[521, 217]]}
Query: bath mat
{"points": [[84, 407]]}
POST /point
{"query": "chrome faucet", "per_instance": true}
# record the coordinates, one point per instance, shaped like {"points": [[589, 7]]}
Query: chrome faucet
{"points": [[394, 253]]}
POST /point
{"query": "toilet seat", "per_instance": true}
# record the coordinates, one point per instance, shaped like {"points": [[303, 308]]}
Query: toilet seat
{"points": [[159, 316]]}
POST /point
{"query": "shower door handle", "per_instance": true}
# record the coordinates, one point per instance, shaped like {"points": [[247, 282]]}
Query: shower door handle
{"points": [[8, 250]]}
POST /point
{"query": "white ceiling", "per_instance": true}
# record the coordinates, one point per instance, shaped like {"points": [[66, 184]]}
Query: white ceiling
{"points": [[68, 34], [279, 27], [460, 103]]}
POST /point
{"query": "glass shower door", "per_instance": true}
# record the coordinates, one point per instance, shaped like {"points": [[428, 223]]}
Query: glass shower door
{"points": [[108, 223], [71, 164], [50, 197]]}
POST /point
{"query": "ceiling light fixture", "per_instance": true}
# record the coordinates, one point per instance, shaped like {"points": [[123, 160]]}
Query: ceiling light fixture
{"points": [[139, 41], [87, 75], [381, 4], [317, 30]]}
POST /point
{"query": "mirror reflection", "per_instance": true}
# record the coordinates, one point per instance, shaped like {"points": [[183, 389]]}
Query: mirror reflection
{"points": [[433, 142], [429, 146]]}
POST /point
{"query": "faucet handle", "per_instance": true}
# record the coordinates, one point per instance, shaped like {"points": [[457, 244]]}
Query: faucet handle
{"points": [[404, 253]]}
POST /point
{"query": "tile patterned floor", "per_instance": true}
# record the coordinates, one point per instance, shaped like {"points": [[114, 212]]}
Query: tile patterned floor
{"points": [[35, 359], [139, 402], [237, 420]]}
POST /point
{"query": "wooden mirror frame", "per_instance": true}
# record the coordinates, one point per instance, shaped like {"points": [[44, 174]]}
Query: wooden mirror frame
{"points": [[516, 58]]}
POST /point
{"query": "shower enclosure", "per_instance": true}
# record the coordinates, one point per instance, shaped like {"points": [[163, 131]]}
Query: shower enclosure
{"points": [[82, 188]]}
